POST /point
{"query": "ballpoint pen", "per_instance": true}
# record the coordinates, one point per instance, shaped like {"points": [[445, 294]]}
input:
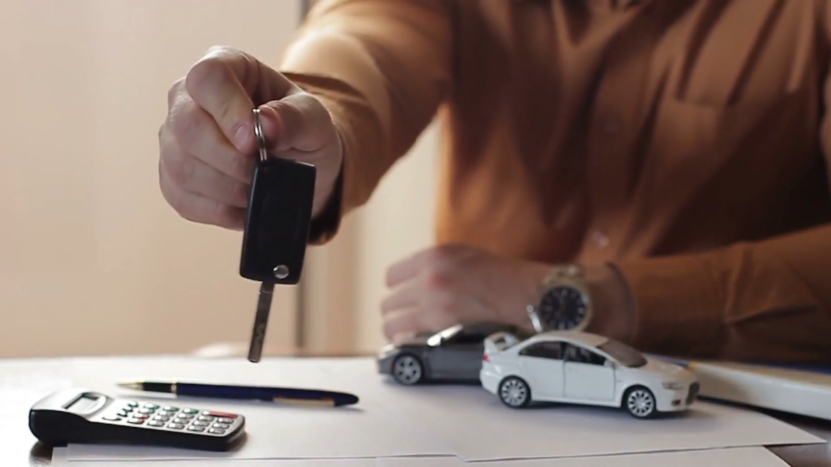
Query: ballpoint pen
{"points": [[262, 393]]}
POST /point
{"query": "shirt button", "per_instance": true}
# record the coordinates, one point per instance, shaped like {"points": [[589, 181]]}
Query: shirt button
{"points": [[612, 125], [600, 239]]}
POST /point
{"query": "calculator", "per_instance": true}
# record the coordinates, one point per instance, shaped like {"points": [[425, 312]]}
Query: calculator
{"points": [[82, 416]]}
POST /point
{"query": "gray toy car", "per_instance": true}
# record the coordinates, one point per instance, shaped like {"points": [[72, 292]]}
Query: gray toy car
{"points": [[451, 355]]}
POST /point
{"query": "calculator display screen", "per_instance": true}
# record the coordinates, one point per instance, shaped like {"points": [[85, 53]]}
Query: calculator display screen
{"points": [[83, 404]]}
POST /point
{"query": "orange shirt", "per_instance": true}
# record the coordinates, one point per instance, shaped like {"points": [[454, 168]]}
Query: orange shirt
{"points": [[683, 140]]}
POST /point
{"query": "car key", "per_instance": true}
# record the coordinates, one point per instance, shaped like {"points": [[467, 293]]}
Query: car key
{"points": [[276, 229]]}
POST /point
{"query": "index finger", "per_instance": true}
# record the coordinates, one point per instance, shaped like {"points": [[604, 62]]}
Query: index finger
{"points": [[214, 83]]}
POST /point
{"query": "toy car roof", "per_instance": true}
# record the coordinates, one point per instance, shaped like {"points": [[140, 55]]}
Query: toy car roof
{"points": [[486, 327], [585, 338]]}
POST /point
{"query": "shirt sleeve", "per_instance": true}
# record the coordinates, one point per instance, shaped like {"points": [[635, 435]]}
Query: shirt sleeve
{"points": [[765, 301], [381, 68]]}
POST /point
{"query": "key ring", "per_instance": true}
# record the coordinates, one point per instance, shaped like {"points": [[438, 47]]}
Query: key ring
{"points": [[258, 130]]}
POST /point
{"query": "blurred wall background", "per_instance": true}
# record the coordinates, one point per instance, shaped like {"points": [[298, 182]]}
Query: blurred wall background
{"points": [[92, 260]]}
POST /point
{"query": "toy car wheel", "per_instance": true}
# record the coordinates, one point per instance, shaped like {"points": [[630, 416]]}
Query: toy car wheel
{"points": [[639, 402], [407, 369], [514, 392]]}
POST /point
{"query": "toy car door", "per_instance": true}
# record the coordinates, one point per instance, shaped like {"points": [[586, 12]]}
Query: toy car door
{"points": [[542, 367], [586, 375], [459, 357]]}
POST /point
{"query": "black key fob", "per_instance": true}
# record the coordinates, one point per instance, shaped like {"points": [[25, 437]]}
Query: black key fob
{"points": [[279, 215]]}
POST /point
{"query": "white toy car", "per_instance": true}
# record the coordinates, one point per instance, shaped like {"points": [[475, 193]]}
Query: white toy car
{"points": [[582, 368]]}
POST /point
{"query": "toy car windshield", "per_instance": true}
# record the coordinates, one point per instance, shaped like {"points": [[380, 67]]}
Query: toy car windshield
{"points": [[502, 341], [627, 356]]}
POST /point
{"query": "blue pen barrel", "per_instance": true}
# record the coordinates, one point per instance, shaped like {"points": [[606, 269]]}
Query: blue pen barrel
{"points": [[224, 392], [253, 393]]}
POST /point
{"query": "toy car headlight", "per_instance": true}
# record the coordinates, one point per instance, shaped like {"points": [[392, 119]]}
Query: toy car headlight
{"points": [[673, 385]]}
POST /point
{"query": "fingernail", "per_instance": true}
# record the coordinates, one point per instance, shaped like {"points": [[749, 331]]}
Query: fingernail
{"points": [[241, 136]]}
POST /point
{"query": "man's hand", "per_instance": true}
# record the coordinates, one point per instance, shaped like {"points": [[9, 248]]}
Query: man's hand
{"points": [[456, 284], [451, 284], [207, 144]]}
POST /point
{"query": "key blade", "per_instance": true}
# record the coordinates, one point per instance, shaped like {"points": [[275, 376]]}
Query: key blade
{"points": [[255, 350]]}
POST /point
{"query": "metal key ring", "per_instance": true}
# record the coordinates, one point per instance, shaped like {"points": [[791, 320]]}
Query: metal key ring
{"points": [[258, 130]]}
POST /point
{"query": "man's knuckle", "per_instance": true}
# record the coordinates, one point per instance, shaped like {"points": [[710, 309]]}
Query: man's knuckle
{"points": [[220, 50], [174, 91], [438, 322], [317, 111], [228, 116], [181, 168], [449, 251], [435, 280], [185, 126], [388, 304], [179, 204], [242, 167], [445, 306], [223, 215], [390, 329], [165, 188], [204, 75], [239, 192], [439, 256], [291, 115]]}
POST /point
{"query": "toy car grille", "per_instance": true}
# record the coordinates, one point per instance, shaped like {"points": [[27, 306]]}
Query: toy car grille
{"points": [[693, 393]]}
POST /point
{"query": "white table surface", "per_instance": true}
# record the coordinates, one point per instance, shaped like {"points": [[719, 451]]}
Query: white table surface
{"points": [[22, 382]]}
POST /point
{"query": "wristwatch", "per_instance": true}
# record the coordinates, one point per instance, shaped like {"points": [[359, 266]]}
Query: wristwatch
{"points": [[564, 302]]}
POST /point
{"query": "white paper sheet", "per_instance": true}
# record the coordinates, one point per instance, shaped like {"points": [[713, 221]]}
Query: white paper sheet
{"points": [[730, 457], [21, 385], [479, 427], [394, 420], [273, 431]]}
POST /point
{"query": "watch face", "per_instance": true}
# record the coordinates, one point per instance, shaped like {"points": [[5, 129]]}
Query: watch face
{"points": [[563, 308]]}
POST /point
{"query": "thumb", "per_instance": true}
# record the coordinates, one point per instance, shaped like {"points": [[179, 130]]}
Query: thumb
{"points": [[223, 83], [299, 121]]}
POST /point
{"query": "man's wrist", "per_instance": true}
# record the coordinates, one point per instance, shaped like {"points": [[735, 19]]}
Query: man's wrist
{"points": [[326, 222], [612, 303]]}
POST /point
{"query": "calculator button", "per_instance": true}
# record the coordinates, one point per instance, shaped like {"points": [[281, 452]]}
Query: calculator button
{"points": [[121, 413], [165, 413], [217, 431], [136, 421], [219, 414], [140, 415], [225, 420], [221, 426], [112, 418], [159, 417], [170, 408], [198, 429], [150, 406], [184, 416], [190, 411], [132, 404], [175, 426], [198, 423], [204, 418], [146, 411], [155, 423]]}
